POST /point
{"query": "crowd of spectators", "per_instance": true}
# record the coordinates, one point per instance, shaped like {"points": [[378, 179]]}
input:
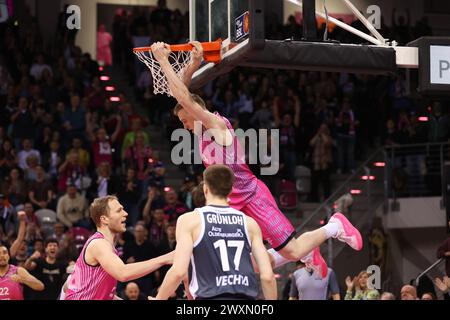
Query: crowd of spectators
{"points": [[63, 142], [303, 284]]}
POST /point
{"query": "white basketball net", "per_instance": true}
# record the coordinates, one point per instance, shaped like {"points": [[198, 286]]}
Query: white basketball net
{"points": [[178, 59]]}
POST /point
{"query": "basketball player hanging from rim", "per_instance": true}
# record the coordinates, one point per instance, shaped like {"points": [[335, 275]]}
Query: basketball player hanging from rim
{"points": [[249, 195]]}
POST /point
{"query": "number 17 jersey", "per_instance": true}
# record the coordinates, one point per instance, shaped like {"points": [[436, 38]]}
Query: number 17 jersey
{"points": [[221, 262]]}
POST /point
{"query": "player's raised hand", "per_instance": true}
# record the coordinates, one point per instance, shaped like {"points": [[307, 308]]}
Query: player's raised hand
{"points": [[22, 216], [35, 255], [446, 280], [349, 282], [197, 51], [161, 51], [441, 285]]}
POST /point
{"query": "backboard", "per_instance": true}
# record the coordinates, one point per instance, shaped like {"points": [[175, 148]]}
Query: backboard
{"points": [[241, 26], [214, 19]]}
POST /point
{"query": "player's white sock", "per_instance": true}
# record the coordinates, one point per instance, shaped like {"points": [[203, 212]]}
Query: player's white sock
{"points": [[331, 229], [279, 260]]}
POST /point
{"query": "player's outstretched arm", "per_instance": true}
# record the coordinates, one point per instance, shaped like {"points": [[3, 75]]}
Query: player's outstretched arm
{"points": [[180, 91], [101, 251], [20, 235], [183, 253], [268, 282]]}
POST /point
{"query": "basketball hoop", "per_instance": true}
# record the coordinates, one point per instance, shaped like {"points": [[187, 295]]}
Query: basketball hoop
{"points": [[180, 57]]}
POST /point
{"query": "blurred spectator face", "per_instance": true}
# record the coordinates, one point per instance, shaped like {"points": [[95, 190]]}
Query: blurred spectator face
{"points": [[408, 292], [40, 173], [28, 208], [132, 291], [38, 245], [75, 101], [104, 170], [23, 103], [287, 120], [427, 296], [71, 190], [186, 119], [60, 107], [59, 229], [73, 158], [136, 124], [362, 279], [67, 241], [171, 197], [140, 139], [40, 109], [264, 105], [32, 161], [190, 184], [51, 249], [131, 174], [139, 233], [101, 134], [4, 257], [26, 144], [14, 174], [7, 146], [158, 215], [323, 129], [46, 75], [40, 59], [47, 132], [54, 146], [170, 231], [56, 136], [387, 296], [76, 143], [390, 124]]}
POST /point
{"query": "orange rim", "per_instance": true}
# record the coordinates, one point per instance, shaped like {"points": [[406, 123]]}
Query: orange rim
{"points": [[211, 50]]}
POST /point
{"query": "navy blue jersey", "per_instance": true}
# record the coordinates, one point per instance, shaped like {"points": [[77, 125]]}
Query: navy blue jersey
{"points": [[221, 262]]}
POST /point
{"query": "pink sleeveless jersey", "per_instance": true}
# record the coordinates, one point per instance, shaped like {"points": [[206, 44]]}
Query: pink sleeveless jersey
{"points": [[233, 156], [10, 289], [90, 282]]}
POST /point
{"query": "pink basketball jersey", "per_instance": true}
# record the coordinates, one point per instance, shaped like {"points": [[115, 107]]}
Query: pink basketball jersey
{"points": [[10, 289], [90, 282], [232, 156]]}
